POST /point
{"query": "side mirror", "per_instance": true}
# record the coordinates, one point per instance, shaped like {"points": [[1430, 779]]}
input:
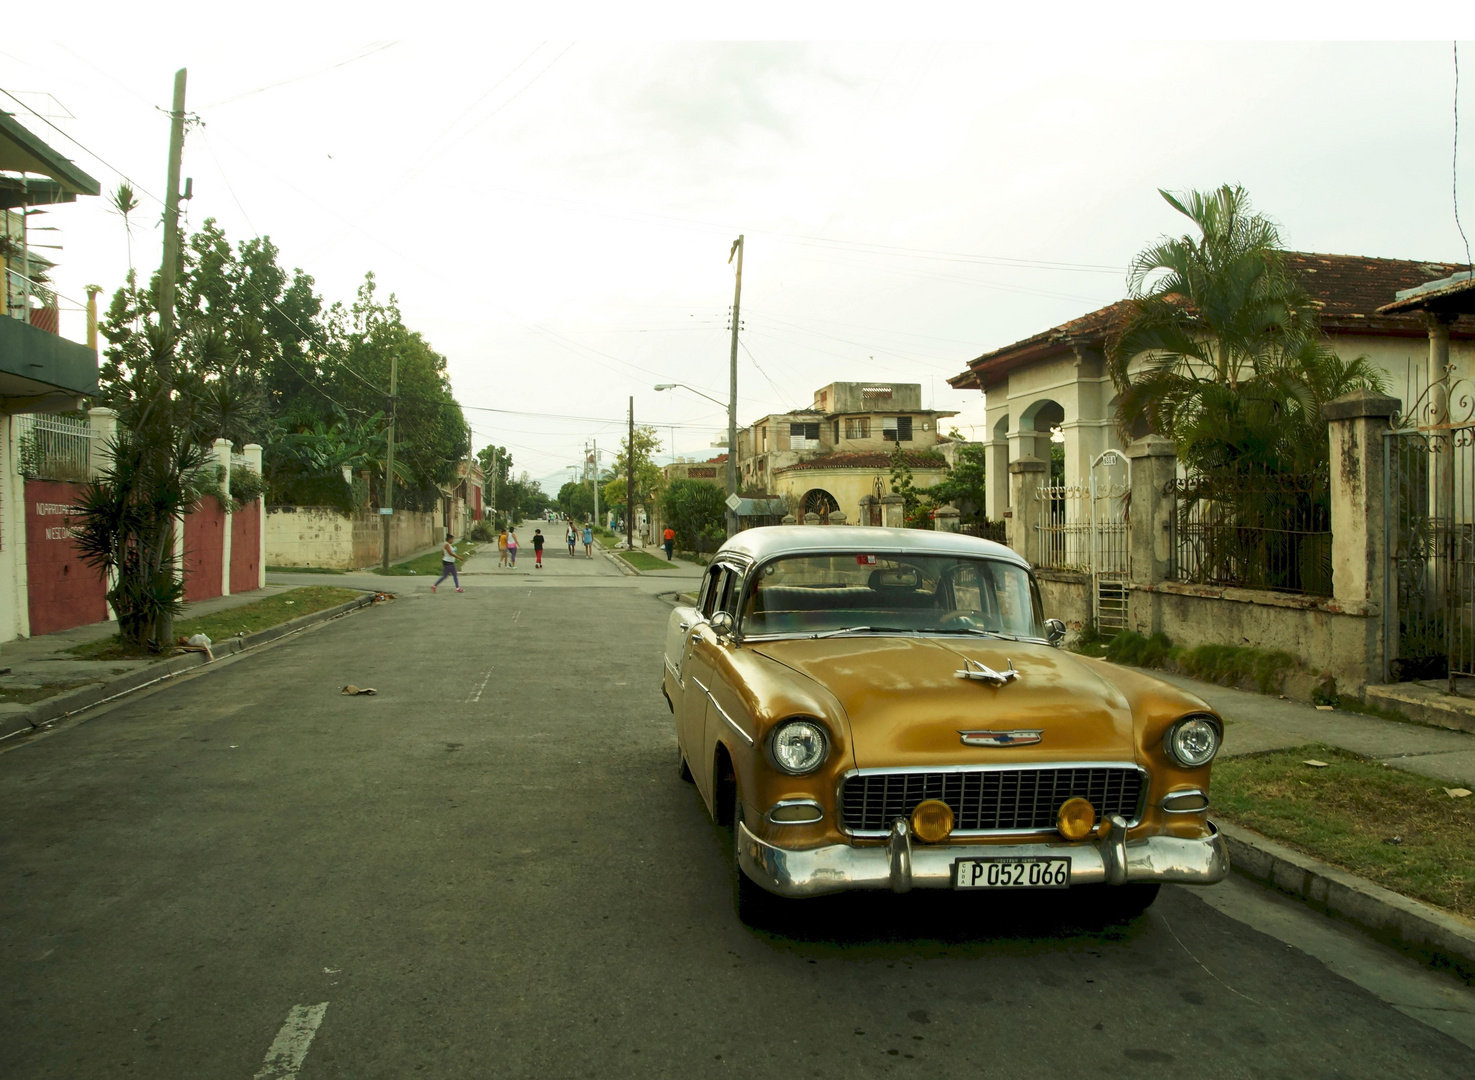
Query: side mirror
{"points": [[721, 623], [1055, 631]]}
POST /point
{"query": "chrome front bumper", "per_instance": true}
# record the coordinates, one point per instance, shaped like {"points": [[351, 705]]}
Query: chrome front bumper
{"points": [[900, 865]]}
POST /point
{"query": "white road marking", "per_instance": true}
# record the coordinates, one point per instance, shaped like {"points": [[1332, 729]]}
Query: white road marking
{"points": [[289, 1048], [517, 614], [475, 695]]}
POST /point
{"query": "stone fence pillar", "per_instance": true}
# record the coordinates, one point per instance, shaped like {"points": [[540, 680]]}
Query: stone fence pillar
{"points": [[790, 519], [104, 424], [253, 461], [866, 502], [946, 518], [222, 456], [837, 517], [1026, 474], [811, 518], [1154, 465], [1356, 423], [893, 511]]}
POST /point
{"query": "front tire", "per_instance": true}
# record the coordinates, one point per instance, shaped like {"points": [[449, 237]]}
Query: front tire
{"points": [[683, 770], [1124, 903], [755, 906]]}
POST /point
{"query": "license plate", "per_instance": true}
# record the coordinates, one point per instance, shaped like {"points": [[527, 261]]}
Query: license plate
{"points": [[1002, 873]]}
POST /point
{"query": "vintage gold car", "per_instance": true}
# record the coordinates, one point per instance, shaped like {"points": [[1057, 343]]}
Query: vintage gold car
{"points": [[888, 709]]}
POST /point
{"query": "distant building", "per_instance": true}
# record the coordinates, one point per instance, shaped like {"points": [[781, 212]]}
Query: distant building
{"points": [[838, 452]]}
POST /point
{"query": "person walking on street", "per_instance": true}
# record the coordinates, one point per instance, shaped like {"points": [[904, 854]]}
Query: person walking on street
{"points": [[572, 538], [511, 547], [668, 541], [448, 565], [502, 548], [537, 549], [588, 541]]}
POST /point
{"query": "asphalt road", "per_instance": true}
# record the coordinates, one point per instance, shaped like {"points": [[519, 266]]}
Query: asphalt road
{"points": [[490, 869]]}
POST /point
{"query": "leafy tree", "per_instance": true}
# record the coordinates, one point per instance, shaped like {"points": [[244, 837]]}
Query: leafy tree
{"points": [[576, 500], [1234, 367], [696, 513], [130, 512], [965, 484], [648, 476], [902, 483]]}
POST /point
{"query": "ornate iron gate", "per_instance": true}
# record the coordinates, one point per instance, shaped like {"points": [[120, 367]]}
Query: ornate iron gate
{"points": [[1084, 528], [1429, 517]]}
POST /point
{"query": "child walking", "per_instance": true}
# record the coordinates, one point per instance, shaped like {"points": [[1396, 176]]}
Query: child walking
{"points": [[502, 548], [448, 565], [588, 541], [537, 549], [511, 547], [572, 539]]}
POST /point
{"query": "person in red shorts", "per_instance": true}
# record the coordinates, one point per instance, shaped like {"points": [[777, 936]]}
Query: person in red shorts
{"points": [[537, 549]]}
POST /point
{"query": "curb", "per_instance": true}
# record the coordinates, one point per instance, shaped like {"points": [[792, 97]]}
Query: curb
{"points": [[64, 705], [1436, 937]]}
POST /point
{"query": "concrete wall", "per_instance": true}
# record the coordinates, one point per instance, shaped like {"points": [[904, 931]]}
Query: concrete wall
{"points": [[321, 536], [14, 617], [848, 486], [1309, 628], [1066, 596], [62, 590], [204, 549]]}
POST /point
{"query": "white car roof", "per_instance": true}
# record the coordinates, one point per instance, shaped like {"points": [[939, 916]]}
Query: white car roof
{"points": [[767, 541]]}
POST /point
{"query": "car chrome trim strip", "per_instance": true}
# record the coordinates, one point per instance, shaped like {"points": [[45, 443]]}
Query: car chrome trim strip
{"points": [[838, 867], [723, 713], [1173, 796], [782, 804], [999, 767]]}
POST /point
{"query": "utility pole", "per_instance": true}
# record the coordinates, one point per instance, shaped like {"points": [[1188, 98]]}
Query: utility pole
{"points": [[386, 511], [171, 206], [595, 443], [630, 483], [737, 299]]}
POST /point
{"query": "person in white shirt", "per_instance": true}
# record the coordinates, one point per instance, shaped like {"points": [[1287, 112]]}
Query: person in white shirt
{"points": [[448, 565]]}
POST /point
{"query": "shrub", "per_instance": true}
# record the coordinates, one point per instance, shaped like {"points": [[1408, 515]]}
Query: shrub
{"points": [[482, 531]]}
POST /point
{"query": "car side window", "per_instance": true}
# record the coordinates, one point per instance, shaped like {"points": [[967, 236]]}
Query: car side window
{"points": [[714, 590], [731, 588]]}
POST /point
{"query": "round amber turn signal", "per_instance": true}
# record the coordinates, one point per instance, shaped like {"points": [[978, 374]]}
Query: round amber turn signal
{"points": [[1076, 818], [932, 820]]}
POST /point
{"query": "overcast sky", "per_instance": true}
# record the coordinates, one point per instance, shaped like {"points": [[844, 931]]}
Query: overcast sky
{"points": [[554, 209]]}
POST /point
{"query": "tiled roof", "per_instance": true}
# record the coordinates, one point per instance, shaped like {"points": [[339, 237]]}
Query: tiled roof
{"points": [[856, 459], [1348, 289]]}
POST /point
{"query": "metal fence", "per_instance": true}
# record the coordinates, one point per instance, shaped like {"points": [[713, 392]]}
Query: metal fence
{"points": [[1254, 531], [54, 447], [997, 531], [1065, 527]]}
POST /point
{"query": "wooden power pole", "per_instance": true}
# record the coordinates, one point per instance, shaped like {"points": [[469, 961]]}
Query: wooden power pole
{"points": [[171, 206], [737, 299], [630, 483], [386, 511]]}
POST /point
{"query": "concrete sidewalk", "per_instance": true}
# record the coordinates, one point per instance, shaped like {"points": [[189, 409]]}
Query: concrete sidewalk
{"points": [[1256, 722]]}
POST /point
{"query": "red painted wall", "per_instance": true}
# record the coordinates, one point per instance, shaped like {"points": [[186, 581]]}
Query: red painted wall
{"points": [[245, 548], [204, 532], [64, 590]]}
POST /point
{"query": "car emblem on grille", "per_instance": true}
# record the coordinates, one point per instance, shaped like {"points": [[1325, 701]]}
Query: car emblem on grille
{"points": [[1002, 738], [972, 669]]}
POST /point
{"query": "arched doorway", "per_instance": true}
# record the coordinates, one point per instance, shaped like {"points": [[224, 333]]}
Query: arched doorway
{"points": [[821, 502]]}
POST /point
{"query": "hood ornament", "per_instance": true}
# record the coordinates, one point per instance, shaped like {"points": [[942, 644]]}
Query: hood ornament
{"points": [[1002, 738], [983, 673]]}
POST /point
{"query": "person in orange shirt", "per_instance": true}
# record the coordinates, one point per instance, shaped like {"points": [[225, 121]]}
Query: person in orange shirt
{"points": [[668, 541]]}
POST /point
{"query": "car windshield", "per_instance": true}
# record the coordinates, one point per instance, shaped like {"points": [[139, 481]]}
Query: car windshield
{"points": [[945, 594]]}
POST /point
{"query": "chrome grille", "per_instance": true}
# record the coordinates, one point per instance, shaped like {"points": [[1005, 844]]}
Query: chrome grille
{"points": [[989, 799]]}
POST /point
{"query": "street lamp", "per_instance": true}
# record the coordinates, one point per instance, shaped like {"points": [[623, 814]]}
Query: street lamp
{"points": [[731, 407]]}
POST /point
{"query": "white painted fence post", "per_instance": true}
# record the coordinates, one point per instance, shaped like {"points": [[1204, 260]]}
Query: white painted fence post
{"points": [[253, 461], [222, 456]]}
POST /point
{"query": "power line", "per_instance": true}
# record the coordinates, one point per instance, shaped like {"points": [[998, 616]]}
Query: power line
{"points": [[378, 48], [1455, 165]]}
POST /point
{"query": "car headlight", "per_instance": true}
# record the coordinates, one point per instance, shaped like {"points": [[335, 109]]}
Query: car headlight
{"points": [[798, 746], [1193, 741]]}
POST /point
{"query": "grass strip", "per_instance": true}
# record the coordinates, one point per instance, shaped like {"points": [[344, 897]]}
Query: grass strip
{"points": [[1349, 814], [642, 560], [429, 563], [246, 619]]}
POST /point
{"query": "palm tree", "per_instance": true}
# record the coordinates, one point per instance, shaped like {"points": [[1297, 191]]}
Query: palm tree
{"points": [[1222, 348]]}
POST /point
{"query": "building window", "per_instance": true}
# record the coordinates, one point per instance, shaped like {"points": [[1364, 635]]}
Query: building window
{"points": [[836, 437], [896, 428], [858, 427], [804, 436], [765, 439]]}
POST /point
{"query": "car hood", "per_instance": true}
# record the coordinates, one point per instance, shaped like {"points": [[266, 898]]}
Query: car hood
{"points": [[907, 706]]}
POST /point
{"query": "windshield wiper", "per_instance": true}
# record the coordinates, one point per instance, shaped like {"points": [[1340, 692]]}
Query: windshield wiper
{"points": [[866, 630], [971, 630]]}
